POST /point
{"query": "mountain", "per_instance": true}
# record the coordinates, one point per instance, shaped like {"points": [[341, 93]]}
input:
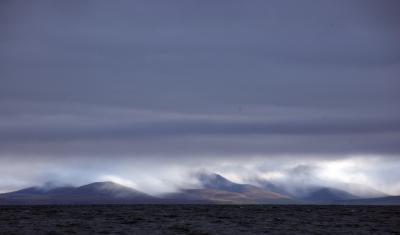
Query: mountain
{"points": [[104, 192], [216, 181], [328, 195], [217, 189], [389, 200], [321, 194], [94, 193]]}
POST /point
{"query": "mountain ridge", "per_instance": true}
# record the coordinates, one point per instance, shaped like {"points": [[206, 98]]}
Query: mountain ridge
{"points": [[213, 189]]}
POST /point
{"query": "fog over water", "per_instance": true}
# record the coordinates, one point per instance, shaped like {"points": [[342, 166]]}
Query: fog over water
{"points": [[146, 93]]}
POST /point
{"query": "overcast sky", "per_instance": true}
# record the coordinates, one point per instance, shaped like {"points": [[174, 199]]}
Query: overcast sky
{"points": [[177, 84]]}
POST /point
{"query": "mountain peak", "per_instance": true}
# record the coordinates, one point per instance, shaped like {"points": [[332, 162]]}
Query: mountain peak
{"points": [[103, 184], [216, 181], [210, 176], [109, 188]]}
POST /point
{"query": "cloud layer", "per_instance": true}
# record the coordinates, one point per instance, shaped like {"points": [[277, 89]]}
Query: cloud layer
{"points": [[189, 83]]}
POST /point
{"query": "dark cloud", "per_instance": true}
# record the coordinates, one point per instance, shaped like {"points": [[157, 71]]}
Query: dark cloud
{"points": [[197, 127], [193, 55]]}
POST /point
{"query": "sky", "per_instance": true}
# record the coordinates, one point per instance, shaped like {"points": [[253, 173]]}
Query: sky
{"points": [[146, 92]]}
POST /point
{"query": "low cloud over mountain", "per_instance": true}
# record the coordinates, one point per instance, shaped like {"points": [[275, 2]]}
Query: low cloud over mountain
{"points": [[213, 188]]}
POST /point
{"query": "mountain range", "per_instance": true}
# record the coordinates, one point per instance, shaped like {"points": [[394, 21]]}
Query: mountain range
{"points": [[213, 189]]}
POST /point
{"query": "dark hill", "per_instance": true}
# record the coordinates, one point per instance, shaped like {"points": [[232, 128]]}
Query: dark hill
{"points": [[327, 195], [94, 193]]}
